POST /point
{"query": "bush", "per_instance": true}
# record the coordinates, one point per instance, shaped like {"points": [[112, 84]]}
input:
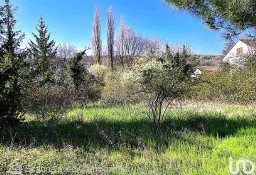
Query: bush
{"points": [[236, 87], [121, 87], [225, 67], [48, 100], [151, 80], [98, 71], [161, 83]]}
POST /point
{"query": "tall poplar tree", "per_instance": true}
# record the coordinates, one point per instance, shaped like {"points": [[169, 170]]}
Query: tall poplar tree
{"points": [[110, 36], [96, 38]]}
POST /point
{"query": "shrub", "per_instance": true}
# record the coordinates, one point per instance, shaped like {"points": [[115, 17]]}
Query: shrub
{"points": [[151, 80], [161, 83], [48, 100], [98, 71], [121, 87], [236, 87], [225, 67]]}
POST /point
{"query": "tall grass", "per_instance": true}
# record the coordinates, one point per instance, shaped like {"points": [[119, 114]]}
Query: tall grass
{"points": [[121, 140]]}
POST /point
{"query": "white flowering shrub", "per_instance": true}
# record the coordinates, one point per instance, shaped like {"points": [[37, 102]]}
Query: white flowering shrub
{"points": [[121, 87], [98, 71], [160, 83]]}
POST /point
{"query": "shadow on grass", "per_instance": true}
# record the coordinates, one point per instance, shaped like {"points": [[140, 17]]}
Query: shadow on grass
{"points": [[120, 134]]}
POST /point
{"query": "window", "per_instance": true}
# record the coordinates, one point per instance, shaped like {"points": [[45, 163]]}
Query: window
{"points": [[239, 51]]}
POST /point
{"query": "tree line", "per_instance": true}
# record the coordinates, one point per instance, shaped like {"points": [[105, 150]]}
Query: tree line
{"points": [[42, 71]]}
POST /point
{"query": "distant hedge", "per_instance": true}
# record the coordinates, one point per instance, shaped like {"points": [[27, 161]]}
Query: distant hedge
{"points": [[234, 87]]}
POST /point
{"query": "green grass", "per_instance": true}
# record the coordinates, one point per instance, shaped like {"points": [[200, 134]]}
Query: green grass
{"points": [[195, 140]]}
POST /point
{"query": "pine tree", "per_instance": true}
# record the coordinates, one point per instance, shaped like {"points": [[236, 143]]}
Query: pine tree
{"points": [[180, 61], [10, 96], [43, 52]]}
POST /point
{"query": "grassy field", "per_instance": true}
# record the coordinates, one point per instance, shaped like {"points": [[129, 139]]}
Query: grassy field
{"points": [[104, 139]]}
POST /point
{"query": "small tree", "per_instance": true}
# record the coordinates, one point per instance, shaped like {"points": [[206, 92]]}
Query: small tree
{"points": [[77, 69], [161, 83], [45, 96], [43, 53], [10, 96], [179, 59]]}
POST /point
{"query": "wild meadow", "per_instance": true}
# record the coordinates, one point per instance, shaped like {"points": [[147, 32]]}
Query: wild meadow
{"points": [[110, 139]]}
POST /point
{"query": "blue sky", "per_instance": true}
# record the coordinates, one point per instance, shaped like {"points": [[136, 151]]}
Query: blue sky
{"points": [[70, 21]]}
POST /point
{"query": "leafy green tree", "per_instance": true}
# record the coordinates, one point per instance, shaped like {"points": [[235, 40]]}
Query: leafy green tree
{"points": [[10, 96], [161, 83], [232, 15], [43, 52]]}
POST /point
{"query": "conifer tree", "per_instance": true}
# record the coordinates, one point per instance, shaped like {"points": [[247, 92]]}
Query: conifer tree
{"points": [[10, 96], [180, 60], [43, 52], [76, 69]]}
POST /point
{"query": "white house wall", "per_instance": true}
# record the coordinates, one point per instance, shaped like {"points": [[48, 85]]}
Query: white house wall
{"points": [[232, 56]]}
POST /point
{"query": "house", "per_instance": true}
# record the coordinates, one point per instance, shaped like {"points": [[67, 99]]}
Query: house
{"points": [[243, 49], [196, 74]]}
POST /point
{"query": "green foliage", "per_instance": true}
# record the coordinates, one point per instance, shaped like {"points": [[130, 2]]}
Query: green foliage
{"points": [[237, 86], [167, 53], [76, 69], [179, 61], [98, 71], [10, 97], [48, 101], [43, 53], [225, 67], [161, 82], [121, 87], [233, 15], [250, 63]]}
